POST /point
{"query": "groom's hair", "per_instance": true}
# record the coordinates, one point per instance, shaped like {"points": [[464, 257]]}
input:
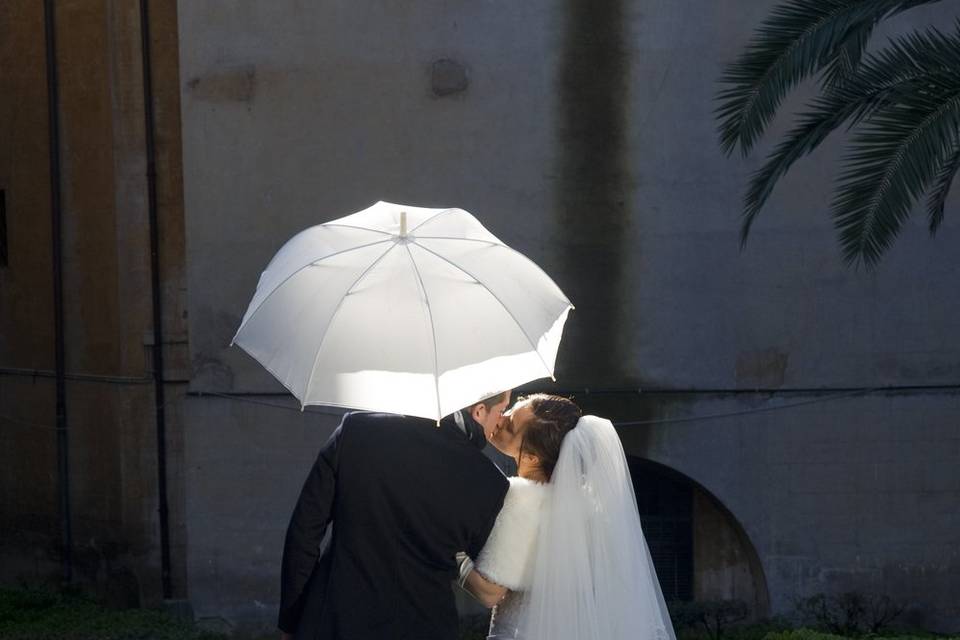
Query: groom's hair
{"points": [[552, 418], [492, 401]]}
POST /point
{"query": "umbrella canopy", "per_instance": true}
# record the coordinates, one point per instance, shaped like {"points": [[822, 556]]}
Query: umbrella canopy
{"points": [[403, 309]]}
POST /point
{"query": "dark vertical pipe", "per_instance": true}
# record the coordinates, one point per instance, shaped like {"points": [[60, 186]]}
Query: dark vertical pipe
{"points": [[159, 401], [63, 458]]}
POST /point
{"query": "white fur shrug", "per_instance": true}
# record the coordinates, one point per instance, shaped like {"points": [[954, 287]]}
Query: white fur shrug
{"points": [[508, 556]]}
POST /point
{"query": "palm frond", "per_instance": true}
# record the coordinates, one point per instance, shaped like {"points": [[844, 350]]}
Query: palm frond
{"points": [[797, 39], [902, 68], [901, 148], [800, 38], [814, 127], [941, 188], [849, 53], [910, 4]]}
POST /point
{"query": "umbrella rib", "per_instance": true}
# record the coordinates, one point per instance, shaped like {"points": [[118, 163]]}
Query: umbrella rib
{"points": [[333, 317], [495, 297], [298, 270], [433, 331], [489, 242], [492, 244], [430, 219], [353, 226]]}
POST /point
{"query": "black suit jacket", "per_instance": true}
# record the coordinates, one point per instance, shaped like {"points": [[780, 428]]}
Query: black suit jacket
{"points": [[402, 496]]}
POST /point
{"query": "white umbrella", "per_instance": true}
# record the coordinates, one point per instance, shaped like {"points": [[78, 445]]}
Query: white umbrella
{"points": [[405, 310]]}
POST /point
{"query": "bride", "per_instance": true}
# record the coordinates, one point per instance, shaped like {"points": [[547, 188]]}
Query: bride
{"points": [[566, 558]]}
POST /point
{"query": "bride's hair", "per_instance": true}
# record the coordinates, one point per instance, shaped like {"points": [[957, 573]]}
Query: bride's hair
{"points": [[552, 418]]}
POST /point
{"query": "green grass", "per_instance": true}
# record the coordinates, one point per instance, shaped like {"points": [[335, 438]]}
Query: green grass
{"points": [[808, 634], [775, 631], [33, 614]]}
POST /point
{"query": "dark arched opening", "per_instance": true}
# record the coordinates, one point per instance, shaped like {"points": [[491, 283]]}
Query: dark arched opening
{"points": [[699, 549]]}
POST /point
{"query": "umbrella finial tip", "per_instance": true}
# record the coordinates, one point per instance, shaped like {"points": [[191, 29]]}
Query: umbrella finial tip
{"points": [[403, 224]]}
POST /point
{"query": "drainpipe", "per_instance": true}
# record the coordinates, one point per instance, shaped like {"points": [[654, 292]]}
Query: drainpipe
{"points": [[63, 457], [157, 301]]}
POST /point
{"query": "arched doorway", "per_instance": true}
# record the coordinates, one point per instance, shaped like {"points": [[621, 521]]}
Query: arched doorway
{"points": [[699, 549], [665, 503]]}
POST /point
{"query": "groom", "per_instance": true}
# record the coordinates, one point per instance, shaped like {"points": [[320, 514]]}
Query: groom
{"points": [[402, 496]]}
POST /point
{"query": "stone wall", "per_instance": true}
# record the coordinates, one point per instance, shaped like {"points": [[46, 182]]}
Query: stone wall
{"points": [[581, 134]]}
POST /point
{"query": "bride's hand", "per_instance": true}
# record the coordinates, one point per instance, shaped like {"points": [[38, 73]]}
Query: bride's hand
{"points": [[488, 593]]}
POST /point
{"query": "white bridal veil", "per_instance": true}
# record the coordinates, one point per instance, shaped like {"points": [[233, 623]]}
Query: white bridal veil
{"points": [[593, 577]]}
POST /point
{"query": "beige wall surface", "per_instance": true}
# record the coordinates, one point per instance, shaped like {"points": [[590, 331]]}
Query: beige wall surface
{"points": [[107, 301]]}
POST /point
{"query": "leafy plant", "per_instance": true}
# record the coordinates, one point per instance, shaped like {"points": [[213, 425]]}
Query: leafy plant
{"points": [[712, 617], [850, 613]]}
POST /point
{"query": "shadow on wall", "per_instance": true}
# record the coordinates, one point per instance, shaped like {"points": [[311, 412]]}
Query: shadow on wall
{"points": [[593, 185]]}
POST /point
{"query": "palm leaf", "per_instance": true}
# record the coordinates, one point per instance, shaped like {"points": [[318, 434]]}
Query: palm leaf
{"points": [[899, 69], [941, 188], [800, 38], [902, 147], [848, 56]]}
